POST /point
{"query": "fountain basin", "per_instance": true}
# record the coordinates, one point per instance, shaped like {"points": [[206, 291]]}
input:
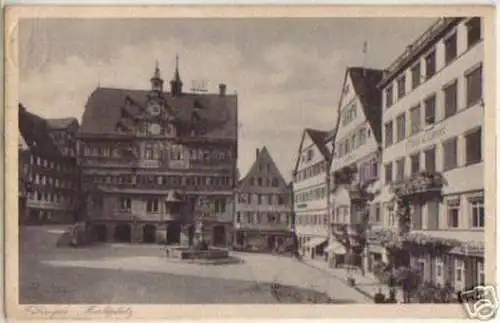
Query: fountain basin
{"points": [[185, 253]]}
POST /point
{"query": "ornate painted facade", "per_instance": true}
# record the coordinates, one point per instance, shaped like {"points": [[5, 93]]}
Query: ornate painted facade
{"points": [[159, 166]]}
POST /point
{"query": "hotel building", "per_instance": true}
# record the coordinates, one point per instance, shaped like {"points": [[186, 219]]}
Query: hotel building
{"points": [[310, 192], [157, 166], [263, 219], [433, 116], [357, 158]]}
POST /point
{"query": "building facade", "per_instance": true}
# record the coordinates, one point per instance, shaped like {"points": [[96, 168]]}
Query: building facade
{"points": [[157, 166], [310, 193], [263, 219], [433, 116], [356, 161], [48, 181]]}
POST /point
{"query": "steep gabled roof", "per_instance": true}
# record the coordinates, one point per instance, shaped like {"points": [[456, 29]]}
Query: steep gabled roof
{"points": [[320, 139], [35, 132], [62, 123], [263, 158], [210, 115], [364, 81]]}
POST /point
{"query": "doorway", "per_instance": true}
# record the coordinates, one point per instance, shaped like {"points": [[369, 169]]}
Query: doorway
{"points": [[149, 233], [123, 233], [100, 232], [173, 233], [219, 236]]}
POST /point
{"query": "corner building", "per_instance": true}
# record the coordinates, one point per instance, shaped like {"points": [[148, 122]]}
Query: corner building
{"points": [[433, 121], [48, 174], [159, 167]]}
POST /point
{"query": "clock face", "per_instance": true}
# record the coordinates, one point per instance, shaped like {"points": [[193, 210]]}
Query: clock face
{"points": [[154, 108], [154, 129]]}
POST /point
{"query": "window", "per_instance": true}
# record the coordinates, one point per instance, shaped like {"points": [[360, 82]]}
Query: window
{"points": [[152, 206], [450, 48], [459, 270], [388, 173], [473, 149], [477, 208], [480, 273], [400, 127], [439, 267], [430, 110], [259, 199], [430, 64], [310, 155], [474, 87], [125, 204], [281, 200], [473, 31], [450, 154], [377, 213], [270, 199], [220, 206], [401, 86], [259, 181], [415, 76], [415, 163], [415, 120], [275, 182], [430, 160], [400, 169], [388, 134], [453, 212], [416, 217], [362, 136], [388, 97], [450, 100]]}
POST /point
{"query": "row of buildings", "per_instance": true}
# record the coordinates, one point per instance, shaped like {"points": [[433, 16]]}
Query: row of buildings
{"points": [[152, 166], [406, 154], [48, 173]]}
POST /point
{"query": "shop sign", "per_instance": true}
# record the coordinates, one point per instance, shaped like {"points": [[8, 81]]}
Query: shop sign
{"points": [[426, 137]]}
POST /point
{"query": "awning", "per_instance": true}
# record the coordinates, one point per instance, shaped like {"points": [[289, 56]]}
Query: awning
{"points": [[314, 242], [474, 249], [336, 248]]}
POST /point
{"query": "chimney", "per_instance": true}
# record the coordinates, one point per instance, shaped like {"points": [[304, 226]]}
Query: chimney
{"points": [[222, 89], [257, 153]]}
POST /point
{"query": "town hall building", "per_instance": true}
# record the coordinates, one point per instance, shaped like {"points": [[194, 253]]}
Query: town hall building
{"points": [[157, 166]]}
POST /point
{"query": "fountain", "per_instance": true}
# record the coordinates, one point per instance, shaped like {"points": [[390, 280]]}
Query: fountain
{"points": [[198, 251]]}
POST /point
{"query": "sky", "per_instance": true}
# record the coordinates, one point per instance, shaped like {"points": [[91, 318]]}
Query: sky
{"points": [[287, 72]]}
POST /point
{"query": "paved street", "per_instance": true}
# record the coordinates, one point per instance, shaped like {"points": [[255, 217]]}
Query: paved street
{"points": [[141, 274]]}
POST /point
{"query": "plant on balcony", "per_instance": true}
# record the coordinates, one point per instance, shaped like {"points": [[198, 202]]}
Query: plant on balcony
{"points": [[420, 183], [345, 175], [416, 188], [385, 237]]}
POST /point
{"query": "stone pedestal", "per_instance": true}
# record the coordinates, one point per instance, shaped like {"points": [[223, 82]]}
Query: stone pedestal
{"points": [[184, 241]]}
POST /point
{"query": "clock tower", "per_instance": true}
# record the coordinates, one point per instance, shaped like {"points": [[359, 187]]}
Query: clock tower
{"points": [[156, 80]]}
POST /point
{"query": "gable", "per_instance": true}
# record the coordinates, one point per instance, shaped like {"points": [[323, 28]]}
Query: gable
{"points": [[263, 176], [310, 154]]}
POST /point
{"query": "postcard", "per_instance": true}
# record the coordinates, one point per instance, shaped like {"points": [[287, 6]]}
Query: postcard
{"points": [[250, 162]]}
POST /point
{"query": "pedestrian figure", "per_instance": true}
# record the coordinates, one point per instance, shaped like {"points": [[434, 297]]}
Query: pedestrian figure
{"points": [[379, 297], [392, 295]]}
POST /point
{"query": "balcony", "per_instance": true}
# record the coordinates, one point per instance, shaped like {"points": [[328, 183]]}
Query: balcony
{"points": [[420, 185]]}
